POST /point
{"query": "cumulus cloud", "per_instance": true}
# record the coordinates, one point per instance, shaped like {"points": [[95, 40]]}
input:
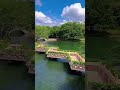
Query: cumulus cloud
{"points": [[74, 12], [42, 19], [63, 22], [38, 2]]}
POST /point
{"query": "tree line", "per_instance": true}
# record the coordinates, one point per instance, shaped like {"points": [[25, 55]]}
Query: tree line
{"points": [[14, 14], [67, 31], [102, 14]]}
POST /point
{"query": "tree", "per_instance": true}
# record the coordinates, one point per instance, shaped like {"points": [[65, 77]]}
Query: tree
{"points": [[71, 31], [16, 14], [42, 32], [67, 31], [54, 31], [99, 13]]}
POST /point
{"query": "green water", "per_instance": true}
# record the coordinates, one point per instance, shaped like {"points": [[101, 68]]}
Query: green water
{"points": [[15, 77], [100, 48], [56, 75], [77, 46]]}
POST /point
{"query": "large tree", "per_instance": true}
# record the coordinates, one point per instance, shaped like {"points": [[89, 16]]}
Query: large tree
{"points": [[14, 14], [100, 13], [54, 31], [42, 31], [71, 31]]}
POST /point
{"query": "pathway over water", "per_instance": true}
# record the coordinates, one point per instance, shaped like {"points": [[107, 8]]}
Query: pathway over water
{"points": [[76, 62]]}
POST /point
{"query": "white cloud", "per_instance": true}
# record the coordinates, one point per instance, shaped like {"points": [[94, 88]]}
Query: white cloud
{"points": [[63, 22], [38, 2], [74, 12], [42, 19]]}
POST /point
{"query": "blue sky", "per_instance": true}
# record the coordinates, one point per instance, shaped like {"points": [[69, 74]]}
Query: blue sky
{"points": [[57, 12]]}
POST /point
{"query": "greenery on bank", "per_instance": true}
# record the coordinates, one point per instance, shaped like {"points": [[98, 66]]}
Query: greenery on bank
{"points": [[67, 31], [60, 52], [20, 50], [3, 45], [76, 62], [100, 86]]}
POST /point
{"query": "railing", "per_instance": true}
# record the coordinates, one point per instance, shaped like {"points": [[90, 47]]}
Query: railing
{"points": [[77, 67], [104, 73], [56, 55]]}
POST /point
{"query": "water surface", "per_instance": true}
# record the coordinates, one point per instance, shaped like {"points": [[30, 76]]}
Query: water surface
{"points": [[76, 46], [56, 75], [15, 77]]}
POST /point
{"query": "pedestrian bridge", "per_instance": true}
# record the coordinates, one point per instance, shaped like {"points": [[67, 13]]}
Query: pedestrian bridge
{"points": [[76, 62]]}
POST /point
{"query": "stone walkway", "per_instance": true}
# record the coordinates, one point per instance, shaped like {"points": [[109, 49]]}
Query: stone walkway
{"points": [[93, 76], [74, 58]]}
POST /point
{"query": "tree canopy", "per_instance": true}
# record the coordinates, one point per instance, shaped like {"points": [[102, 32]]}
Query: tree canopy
{"points": [[102, 14], [42, 32], [67, 31], [72, 31], [16, 13]]}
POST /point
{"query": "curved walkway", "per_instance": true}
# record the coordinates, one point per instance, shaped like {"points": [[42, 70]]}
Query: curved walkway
{"points": [[76, 62]]}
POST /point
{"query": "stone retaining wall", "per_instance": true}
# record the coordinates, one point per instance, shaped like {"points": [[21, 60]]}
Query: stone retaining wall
{"points": [[104, 73]]}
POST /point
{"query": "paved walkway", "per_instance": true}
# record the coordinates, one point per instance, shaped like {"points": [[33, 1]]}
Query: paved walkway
{"points": [[93, 76], [74, 58]]}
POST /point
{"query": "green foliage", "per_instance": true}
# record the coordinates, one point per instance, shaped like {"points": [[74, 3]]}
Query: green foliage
{"points": [[36, 45], [100, 86], [63, 52], [71, 31], [14, 14], [42, 32], [3, 45], [76, 62], [29, 54], [116, 53], [67, 31], [104, 15], [54, 31]]}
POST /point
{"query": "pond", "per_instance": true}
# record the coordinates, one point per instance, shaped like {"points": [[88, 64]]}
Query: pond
{"points": [[56, 75], [75, 46], [15, 77], [103, 49], [100, 48]]}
